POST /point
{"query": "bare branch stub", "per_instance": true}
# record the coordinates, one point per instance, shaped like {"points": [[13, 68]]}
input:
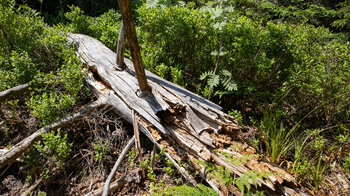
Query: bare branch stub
{"points": [[125, 8]]}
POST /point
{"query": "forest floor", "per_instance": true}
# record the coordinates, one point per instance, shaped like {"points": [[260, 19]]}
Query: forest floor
{"points": [[98, 139]]}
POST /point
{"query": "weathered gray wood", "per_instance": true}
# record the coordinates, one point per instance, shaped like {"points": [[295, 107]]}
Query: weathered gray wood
{"points": [[192, 126], [25, 144], [120, 108], [121, 82], [121, 47], [13, 92]]}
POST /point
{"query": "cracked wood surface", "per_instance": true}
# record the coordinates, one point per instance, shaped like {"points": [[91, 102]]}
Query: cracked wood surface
{"points": [[185, 124]]}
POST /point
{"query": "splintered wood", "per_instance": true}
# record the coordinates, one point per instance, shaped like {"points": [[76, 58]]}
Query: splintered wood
{"points": [[190, 128]]}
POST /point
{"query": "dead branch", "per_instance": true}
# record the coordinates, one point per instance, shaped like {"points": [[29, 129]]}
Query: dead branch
{"points": [[33, 187], [137, 142], [13, 92], [116, 165], [25, 144], [125, 8], [114, 186]]}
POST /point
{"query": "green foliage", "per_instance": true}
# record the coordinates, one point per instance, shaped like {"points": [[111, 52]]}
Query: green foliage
{"points": [[200, 190], [346, 162], [54, 145], [213, 80], [169, 169], [343, 22], [41, 193], [317, 173], [104, 28], [224, 177], [151, 175], [33, 52], [100, 149], [173, 36], [277, 139], [131, 158], [244, 181], [237, 114]]}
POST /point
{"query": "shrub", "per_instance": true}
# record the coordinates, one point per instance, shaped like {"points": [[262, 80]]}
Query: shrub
{"points": [[34, 52], [104, 28]]}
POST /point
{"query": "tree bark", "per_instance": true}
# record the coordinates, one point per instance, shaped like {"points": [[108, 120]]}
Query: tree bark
{"points": [[125, 8]]}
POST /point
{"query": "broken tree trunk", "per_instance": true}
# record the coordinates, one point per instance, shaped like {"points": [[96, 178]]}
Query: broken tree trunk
{"points": [[186, 125]]}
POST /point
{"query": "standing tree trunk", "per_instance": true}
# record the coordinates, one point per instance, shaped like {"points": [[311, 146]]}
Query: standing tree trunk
{"points": [[125, 8]]}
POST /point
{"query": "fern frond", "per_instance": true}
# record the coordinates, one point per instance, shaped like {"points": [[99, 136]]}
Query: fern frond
{"points": [[214, 80], [227, 81], [206, 74]]}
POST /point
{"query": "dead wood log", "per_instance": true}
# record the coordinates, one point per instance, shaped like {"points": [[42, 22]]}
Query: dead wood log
{"points": [[25, 144], [186, 125], [116, 165], [13, 92], [121, 109]]}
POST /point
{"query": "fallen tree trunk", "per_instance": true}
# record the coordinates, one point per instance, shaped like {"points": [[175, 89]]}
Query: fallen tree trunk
{"points": [[186, 125]]}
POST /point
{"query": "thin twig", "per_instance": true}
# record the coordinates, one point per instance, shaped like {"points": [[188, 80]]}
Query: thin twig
{"points": [[137, 142], [116, 165]]}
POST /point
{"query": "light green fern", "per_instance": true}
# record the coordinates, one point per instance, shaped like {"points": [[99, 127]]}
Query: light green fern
{"points": [[228, 85]]}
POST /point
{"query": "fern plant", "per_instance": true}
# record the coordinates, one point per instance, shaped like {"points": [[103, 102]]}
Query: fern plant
{"points": [[243, 183], [224, 78]]}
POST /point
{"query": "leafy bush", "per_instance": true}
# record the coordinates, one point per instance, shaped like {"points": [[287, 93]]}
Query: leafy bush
{"points": [[54, 145], [104, 28], [177, 37], [33, 52]]}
